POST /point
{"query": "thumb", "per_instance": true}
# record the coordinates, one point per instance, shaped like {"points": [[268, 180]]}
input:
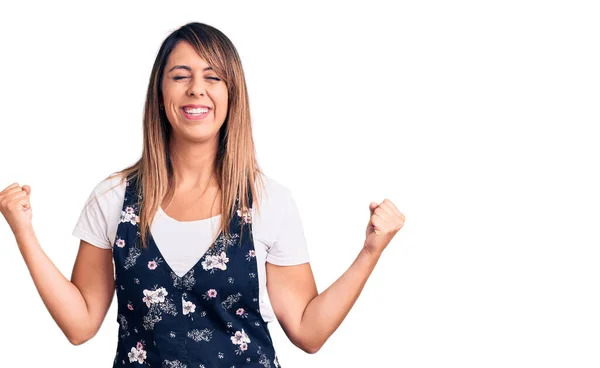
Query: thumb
{"points": [[372, 207]]}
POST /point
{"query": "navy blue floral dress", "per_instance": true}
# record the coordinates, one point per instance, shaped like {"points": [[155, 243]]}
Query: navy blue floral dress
{"points": [[209, 317]]}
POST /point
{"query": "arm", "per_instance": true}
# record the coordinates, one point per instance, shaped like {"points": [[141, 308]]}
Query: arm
{"points": [[80, 305], [307, 317]]}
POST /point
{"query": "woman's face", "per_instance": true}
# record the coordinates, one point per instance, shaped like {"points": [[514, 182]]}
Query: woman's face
{"points": [[194, 97]]}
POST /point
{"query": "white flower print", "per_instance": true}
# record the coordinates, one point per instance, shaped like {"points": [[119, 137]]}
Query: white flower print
{"points": [[129, 215], [154, 296], [188, 307], [246, 214], [157, 302], [137, 353], [240, 337], [220, 355], [215, 261], [221, 261], [209, 262]]}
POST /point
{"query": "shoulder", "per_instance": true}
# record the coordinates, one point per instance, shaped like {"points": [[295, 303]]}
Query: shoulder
{"points": [[109, 190], [274, 192]]}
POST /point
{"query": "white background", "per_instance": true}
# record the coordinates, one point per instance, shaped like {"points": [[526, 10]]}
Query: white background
{"points": [[477, 119]]}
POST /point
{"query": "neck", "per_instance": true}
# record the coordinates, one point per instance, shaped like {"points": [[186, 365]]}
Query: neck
{"points": [[193, 164]]}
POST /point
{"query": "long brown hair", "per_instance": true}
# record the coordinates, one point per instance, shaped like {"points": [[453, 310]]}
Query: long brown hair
{"points": [[236, 168]]}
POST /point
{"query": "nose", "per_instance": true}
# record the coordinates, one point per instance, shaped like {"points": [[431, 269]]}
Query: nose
{"points": [[196, 88]]}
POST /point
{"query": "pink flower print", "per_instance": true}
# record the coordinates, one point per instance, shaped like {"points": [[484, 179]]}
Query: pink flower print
{"points": [[212, 293], [139, 346], [135, 219], [243, 346], [152, 265], [120, 243], [252, 253], [129, 306], [129, 210], [240, 311]]}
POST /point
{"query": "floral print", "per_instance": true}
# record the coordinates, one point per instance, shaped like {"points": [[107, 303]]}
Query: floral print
{"points": [[157, 304], [120, 242], [188, 307], [246, 215], [212, 293], [242, 340], [153, 264], [242, 313], [137, 353], [197, 335], [213, 307], [212, 262], [129, 215], [186, 282]]}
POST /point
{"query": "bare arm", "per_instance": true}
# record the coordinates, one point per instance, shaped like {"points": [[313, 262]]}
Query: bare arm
{"points": [[307, 317], [78, 306]]}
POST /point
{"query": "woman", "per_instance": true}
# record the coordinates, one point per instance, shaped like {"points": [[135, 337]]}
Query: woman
{"points": [[189, 295]]}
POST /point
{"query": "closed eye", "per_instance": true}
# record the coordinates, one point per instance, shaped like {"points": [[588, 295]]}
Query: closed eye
{"points": [[180, 77]]}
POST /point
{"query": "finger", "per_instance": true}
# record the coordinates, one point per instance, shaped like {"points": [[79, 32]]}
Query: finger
{"points": [[379, 221], [16, 195], [11, 189], [372, 207], [385, 208], [27, 189], [11, 186], [392, 206]]}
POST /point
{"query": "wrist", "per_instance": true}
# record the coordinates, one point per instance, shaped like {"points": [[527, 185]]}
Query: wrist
{"points": [[370, 253], [23, 233]]}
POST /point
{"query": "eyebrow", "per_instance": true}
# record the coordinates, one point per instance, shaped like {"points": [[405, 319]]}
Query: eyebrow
{"points": [[188, 68]]}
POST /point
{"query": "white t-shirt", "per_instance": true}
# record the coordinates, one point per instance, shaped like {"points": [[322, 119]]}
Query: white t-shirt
{"points": [[277, 231]]}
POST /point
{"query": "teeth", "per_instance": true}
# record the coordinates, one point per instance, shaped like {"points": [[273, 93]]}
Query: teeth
{"points": [[199, 110]]}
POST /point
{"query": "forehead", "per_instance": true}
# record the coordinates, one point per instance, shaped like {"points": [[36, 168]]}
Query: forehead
{"points": [[184, 54]]}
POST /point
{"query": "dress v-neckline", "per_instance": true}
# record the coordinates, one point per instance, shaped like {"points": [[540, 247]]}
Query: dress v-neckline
{"points": [[152, 243], [183, 223]]}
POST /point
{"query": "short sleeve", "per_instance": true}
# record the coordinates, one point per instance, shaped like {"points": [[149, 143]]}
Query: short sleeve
{"points": [[92, 225], [289, 247]]}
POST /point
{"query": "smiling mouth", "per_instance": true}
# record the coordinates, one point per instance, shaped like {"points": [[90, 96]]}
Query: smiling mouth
{"points": [[195, 113]]}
